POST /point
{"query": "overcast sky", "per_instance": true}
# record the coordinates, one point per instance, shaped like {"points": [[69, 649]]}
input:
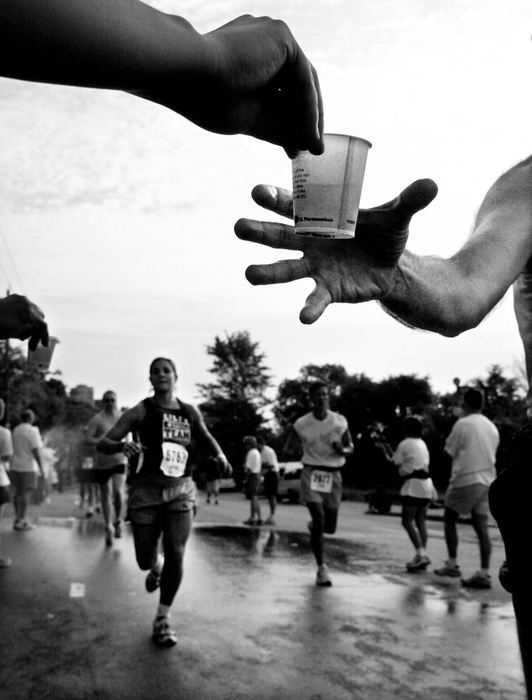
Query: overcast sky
{"points": [[117, 216]]}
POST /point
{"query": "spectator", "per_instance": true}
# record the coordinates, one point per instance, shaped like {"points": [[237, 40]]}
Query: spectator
{"points": [[26, 466], [270, 470]]}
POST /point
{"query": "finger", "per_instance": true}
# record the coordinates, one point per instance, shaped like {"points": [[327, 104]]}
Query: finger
{"points": [[270, 234], [303, 98], [316, 303], [321, 145], [34, 341], [40, 334], [44, 335], [415, 197], [274, 199], [277, 273]]}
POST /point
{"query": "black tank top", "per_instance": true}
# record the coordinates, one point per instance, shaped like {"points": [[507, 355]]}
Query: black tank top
{"points": [[166, 436]]}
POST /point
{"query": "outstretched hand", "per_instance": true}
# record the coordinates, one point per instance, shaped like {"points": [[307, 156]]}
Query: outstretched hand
{"points": [[345, 270], [20, 318]]}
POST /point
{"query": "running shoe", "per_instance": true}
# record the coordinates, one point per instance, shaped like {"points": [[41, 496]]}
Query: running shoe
{"points": [[5, 562], [109, 536], [479, 580], [322, 576], [23, 525], [250, 521], [418, 563], [163, 635], [153, 581], [451, 570], [269, 520], [118, 529]]}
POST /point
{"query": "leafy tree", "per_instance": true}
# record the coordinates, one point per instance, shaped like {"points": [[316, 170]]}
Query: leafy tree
{"points": [[234, 402]]}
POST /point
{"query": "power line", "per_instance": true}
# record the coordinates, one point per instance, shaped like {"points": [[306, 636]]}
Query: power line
{"points": [[21, 286]]}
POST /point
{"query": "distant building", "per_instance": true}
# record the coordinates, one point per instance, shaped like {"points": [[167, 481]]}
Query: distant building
{"points": [[82, 394]]}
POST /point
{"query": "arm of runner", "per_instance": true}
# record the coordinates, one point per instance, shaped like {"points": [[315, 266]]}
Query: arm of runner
{"points": [[344, 446], [249, 76], [113, 440], [210, 442], [292, 445]]}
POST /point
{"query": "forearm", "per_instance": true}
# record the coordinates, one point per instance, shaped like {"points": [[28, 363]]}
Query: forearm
{"points": [[449, 296], [109, 446], [117, 44]]}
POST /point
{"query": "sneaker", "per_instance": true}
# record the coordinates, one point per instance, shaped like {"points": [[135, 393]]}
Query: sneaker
{"points": [[163, 635], [269, 521], [153, 581], [451, 570], [118, 529], [109, 536], [504, 577], [322, 576], [418, 563], [5, 562], [23, 525], [250, 521], [478, 580]]}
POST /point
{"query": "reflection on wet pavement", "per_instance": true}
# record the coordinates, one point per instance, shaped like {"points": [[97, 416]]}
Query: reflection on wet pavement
{"points": [[251, 622]]}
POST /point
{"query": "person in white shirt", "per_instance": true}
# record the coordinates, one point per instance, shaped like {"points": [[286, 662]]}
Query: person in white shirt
{"points": [[472, 444], [270, 469], [6, 452], [324, 438], [109, 470], [252, 467], [27, 463], [412, 457]]}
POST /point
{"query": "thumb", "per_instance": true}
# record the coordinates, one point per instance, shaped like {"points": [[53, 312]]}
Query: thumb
{"points": [[415, 197], [315, 304]]}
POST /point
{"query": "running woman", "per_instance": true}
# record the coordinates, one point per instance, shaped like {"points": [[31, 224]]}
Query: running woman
{"points": [[162, 493]]}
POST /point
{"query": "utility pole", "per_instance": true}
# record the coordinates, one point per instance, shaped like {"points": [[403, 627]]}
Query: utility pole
{"points": [[6, 376]]}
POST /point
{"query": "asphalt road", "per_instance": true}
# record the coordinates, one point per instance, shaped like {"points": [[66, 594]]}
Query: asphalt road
{"points": [[76, 619]]}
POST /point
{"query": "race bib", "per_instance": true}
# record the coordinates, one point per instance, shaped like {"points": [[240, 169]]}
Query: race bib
{"points": [[88, 463], [174, 459], [321, 481]]}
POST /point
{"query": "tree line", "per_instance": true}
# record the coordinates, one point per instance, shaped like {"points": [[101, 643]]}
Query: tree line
{"points": [[242, 400], [236, 404]]}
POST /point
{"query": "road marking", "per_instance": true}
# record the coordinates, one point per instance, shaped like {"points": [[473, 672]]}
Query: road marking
{"points": [[77, 590]]}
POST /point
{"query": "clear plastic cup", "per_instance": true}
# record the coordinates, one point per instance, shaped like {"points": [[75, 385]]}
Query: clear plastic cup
{"points": [[40, 358], [327, 188]]}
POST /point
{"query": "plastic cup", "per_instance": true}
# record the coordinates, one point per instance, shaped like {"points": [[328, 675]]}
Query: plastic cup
{"points": [[327, 188], [40, 358]]}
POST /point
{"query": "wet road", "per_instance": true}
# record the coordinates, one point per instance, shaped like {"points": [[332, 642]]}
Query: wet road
{"points": [[76, 623]]}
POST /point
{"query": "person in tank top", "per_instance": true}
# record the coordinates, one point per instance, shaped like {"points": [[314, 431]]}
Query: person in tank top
{"points": [[162, 494]]}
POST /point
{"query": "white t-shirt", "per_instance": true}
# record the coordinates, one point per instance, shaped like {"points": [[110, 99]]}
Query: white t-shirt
{"points": [[412, 454], [472, 444], [26, 438], [6, 450], [269, 458], [317, 437], [253, 461]]}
